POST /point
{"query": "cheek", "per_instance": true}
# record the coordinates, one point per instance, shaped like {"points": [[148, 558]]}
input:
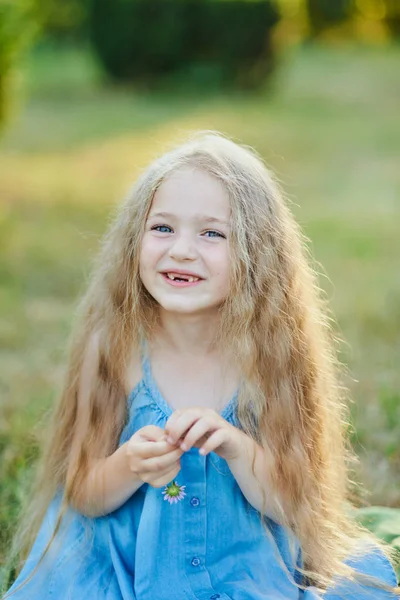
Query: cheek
{"points": [[146, 262], [220, 265], [150, 250]]}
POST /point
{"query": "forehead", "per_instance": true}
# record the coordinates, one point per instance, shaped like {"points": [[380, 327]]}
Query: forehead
{"points": [[191, 190]]}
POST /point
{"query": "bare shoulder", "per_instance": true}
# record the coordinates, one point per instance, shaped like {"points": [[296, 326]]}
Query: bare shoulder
{"points": [[133, 374]]}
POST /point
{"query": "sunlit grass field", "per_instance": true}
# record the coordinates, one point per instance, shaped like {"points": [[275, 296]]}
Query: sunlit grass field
{"points": [[328, 125]]}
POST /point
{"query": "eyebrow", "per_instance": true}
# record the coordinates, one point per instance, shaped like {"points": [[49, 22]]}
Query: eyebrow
{"points": [[202, 218]]}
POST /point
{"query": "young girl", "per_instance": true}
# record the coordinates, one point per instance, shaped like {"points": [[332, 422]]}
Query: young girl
{"points": [[198, 448]]}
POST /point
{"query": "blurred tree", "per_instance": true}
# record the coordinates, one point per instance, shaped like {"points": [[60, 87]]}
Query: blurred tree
{"points": [[324, 14], [367, 19], [140, 41], [391, 16], [23, 22], [18, 28], [64, 21]]}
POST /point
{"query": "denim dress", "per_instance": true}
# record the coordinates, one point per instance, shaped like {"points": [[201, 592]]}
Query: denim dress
{"points": [[211, 544]]}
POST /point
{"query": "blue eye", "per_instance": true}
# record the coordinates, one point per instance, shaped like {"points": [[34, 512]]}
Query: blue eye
{"points": [[217, 233], [162, 228], [167, 229]]}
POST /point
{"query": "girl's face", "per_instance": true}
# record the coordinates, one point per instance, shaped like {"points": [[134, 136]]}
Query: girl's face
{"points": [[184, 261]]}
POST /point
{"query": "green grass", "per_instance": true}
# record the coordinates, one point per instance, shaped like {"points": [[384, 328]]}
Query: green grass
{"points": [[329, 128]]}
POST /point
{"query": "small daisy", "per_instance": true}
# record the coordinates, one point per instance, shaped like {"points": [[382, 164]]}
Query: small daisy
{"points": [[174, 492]]}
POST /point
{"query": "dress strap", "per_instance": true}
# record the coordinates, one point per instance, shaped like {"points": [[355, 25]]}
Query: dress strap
{"points": [[144, 356], [149, 382]]}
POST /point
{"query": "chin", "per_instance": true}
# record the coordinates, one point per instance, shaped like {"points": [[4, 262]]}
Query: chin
{"points": [[184, 308]]}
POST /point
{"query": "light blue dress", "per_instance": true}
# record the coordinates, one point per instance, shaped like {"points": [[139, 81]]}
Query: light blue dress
{"points": [[209, 545]]}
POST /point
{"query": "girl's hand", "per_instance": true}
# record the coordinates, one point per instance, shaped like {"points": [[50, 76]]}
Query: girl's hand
{"points": [[205, 429], [151, 458]]}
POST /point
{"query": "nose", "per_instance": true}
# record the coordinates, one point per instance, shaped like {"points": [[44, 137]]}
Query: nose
{"points": [[183, 248]]}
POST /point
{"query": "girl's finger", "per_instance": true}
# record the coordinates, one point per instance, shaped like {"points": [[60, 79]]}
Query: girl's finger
{"points": [[183, 422], [171, 421], [196, 432], [166, 476], [150, 433], [160, 463], [201, 441], [149, 449], [216, 439]]}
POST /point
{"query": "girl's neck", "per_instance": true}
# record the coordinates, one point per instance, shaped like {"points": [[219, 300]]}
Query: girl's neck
{"points": [[186, 334], [189, 367]]}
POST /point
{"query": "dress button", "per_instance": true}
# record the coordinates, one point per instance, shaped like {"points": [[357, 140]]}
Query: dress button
{"points": [[195, 561], [215, 596], [195, 501]]}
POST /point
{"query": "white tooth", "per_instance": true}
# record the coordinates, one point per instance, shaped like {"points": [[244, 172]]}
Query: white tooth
{"points": [[170, 276], [191, 279]]}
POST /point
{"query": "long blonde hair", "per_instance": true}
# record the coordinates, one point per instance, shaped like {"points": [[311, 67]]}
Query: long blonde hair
{"points": [[276, 322]]}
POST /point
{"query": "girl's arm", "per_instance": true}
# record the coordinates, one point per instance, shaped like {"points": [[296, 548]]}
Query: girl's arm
{"points": [[241, 468], [110, 482], [145, 458]]}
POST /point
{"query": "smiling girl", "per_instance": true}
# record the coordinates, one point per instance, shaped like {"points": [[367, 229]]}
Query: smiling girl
{"points": [[198, 447]]}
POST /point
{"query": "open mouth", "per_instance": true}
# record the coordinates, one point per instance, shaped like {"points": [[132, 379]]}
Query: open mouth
{"points": [[181, 279]]}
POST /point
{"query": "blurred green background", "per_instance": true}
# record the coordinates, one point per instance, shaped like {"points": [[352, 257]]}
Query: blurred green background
{"points": [[89, 94]]}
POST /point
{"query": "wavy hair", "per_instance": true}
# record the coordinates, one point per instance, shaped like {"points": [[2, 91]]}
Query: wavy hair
{"points": [[278, 327]]}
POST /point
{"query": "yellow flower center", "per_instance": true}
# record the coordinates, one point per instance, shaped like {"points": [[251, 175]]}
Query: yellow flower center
{"points": [[173, 489]]}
